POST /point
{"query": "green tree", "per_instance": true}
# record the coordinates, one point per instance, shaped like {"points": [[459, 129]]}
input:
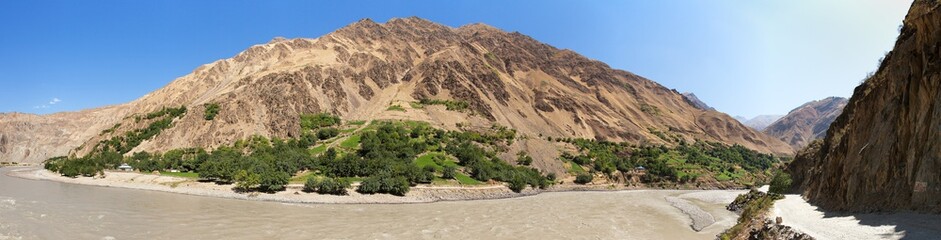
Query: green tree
{"points": [[584, 178], [246, 181], [449, 172], [211, 110], [780, 183]]}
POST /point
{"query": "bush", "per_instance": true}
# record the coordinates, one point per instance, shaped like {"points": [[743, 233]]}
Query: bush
{"points": [[384, 184], [333, 186], [517, 183], [246, 181], [211, 110], [524, 159], [327, 133], [780, 183], [449, 172], [584, 178]]}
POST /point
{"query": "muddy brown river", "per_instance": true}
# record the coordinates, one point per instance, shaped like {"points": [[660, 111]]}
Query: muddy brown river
{"points": [[34, 209]]}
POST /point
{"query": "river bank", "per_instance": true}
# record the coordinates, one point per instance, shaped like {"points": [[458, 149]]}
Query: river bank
{"points": [[796, 212], [294, 193]]}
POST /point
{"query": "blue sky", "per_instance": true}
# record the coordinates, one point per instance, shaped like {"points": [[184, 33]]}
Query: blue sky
{"points": [[742, 57]]}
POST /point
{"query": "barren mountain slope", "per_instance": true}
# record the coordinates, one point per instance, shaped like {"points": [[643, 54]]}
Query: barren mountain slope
{"points": [[33, 138], [361, 70], [807, 122], [884, 151]]}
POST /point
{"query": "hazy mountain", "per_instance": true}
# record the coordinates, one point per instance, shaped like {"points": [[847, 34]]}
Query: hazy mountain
{"points": [[884, 151], [807, 122], [361, 70], [759, 122]]}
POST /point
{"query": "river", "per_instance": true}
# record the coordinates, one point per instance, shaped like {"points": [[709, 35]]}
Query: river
{"points": [[35, 209]]}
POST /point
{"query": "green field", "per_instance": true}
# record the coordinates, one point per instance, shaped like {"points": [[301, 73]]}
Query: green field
{"points": [[352, 142], [181, 174], [302, 178], [396, 108], [466, 180], [318, 149], [428, 160], [575, 168]]}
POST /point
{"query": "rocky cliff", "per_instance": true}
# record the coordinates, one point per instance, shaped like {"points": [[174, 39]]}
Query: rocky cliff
{"points": [[363, 70], [884, 151], [807, 122]]}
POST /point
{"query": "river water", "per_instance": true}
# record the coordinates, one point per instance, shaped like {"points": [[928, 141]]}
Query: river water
{"points": [[34, 209]]}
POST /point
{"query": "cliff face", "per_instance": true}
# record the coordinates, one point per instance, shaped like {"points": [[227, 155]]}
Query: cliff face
{"points": [[884, 151], [807, 122]]}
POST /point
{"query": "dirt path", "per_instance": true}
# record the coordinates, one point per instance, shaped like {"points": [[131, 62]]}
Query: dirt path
{"points": [[809, 219]]}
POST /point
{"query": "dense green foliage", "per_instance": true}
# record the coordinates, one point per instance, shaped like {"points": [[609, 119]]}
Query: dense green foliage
{"points": [[327, 133], [386, 157], [211, 110], [449, 172], [319, 120], [450, 105], [327, 185], [683, 163], [780, 183], [124, 143]]}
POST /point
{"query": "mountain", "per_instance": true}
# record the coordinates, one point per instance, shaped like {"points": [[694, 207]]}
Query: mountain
{"points": [[759, 122], [364, 70], [883, 152], [33, 138], [807, 122], [692, 99]]}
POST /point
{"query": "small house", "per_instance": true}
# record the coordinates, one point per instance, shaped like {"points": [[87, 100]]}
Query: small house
{"points": [[125, 167]]}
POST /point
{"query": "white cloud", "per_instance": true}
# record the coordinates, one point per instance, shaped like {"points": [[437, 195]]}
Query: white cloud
{"points": [[41, 107], [54, 101]]}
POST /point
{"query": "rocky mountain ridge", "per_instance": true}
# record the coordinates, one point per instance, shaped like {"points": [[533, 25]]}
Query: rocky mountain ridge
{"points": [[807, 122], [361, 71]]}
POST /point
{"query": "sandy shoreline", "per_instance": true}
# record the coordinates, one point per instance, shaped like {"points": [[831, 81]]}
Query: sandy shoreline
{"points": [[294, 193]]}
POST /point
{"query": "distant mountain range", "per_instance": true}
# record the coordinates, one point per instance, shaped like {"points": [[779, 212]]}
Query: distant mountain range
{"points": [[759, 122], [807, 122]]}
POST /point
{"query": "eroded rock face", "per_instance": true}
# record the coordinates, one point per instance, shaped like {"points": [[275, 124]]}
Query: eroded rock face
{"points": [[884, 151], [807, 122]]}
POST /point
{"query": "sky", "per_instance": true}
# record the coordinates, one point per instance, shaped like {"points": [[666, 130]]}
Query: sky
{"points": [[742, 57]]}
